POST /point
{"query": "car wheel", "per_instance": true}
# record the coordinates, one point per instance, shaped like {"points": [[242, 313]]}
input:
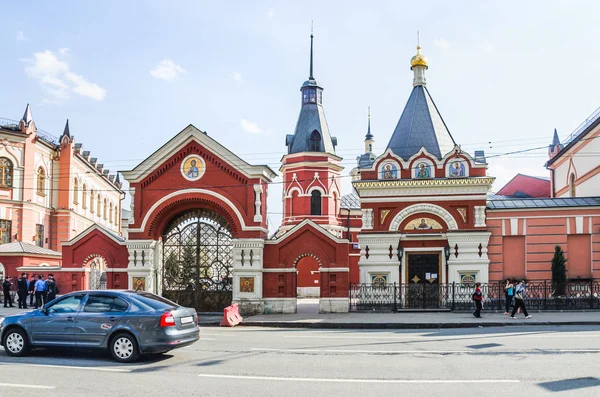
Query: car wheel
{"points": [[16, 342], [124, 348]]}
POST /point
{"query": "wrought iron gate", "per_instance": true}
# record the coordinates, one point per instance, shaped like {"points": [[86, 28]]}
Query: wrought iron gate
{"points": [[197, 261], [97, 276]]}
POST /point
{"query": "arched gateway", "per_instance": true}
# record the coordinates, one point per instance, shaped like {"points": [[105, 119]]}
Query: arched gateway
{"points": [[197, 260]]}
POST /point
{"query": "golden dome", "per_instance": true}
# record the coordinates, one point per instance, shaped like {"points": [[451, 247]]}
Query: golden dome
{"points": [[419, 59]]}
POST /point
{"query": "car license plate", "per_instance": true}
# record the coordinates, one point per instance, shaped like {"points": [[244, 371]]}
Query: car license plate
{"points": [[187, 320]]}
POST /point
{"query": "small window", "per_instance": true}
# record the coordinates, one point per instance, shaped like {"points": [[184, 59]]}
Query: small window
{"points": [[315, 202], [41, 181], [105, 304], [105, 213], [84, 197], [312, 96], [154, 301], [67, 305], [314, 144], [39, 235], [110, 214], [75, 191], [92, 201], [6, 172], [5, 231]]}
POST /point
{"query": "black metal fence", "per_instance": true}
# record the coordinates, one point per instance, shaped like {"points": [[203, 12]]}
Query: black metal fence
{"points": [[539, 295]]}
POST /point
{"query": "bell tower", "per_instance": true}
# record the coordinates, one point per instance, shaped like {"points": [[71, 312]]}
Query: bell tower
{"points": [[311, 169]]}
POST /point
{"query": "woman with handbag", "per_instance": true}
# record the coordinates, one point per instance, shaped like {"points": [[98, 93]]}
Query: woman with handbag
{"points": [[477, 297]]}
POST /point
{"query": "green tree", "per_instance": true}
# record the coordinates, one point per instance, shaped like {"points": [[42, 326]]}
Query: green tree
{"points": [[559, 272]]}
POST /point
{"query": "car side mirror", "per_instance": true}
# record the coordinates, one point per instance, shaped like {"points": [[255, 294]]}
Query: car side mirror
{"points": [[43, 310]]}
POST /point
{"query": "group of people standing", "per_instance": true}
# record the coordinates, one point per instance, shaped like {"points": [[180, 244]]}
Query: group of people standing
{"points": [[40, 289], [513, 290]]}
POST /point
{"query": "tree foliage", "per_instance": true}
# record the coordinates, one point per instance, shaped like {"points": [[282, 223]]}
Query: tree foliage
{"points": [[559, 272]]}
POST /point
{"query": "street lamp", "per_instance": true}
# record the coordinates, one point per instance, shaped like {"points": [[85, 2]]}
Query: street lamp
{"points": [[447, 253]]}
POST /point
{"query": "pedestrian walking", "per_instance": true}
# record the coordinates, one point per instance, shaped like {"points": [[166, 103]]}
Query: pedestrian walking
{"points": [[6, 284], [51, 287], [509, 290], [23, 290], [31, 290], [477, 297], [40, 291], [520, 300]]}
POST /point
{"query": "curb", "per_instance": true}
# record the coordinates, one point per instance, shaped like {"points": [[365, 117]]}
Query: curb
{"points": [[329, 325]]}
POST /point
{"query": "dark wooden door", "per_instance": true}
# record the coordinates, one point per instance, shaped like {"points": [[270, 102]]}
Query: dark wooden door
{"points": [[422, 288]]}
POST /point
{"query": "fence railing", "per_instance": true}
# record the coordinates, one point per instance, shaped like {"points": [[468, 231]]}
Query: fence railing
{"points": [[539, 295]]}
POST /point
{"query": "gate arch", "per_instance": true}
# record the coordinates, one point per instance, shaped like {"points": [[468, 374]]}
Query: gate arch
{"points": [[197, 260]]}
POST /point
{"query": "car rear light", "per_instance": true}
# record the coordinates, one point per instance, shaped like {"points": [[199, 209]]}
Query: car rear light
{"points": [[167, 320], [196, 318]]}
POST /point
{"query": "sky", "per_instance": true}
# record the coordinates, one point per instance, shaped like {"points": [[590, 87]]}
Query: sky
{"points": [[129, 75]]}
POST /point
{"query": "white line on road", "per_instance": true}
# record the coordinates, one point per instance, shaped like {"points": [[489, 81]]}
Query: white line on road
{"points": [[268, 349], [243, 377], [26, 386], [67, 367], [436, 336]]}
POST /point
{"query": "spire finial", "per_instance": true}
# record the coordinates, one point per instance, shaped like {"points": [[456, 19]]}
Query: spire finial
{"points": [[418, 41], [369, 114], [310, 77]]}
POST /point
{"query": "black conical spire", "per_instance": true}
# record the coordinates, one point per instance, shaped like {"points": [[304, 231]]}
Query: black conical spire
{"points": [[66, 132], [311, 77], [369, 136]]}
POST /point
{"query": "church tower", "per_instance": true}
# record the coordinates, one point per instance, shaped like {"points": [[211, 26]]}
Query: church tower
{"points": [[311, 169]]}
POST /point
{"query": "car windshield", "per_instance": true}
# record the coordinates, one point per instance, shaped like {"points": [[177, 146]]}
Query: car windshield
{"points": [[155, 302]]}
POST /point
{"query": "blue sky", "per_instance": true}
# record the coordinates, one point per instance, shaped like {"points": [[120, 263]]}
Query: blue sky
{"points": [[131, 74]]}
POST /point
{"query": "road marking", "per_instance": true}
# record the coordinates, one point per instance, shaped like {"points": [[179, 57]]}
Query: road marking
{"points": [[268, 349], [67, 367], [333, 380], [447, 337], [201, 339], [26, 386]]}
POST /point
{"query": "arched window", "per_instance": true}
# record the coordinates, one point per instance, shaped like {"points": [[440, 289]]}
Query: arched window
{"points": [[92, 200], [314, 144], [370, 147], [110, 213], [572, 185], [41, 181], [105, 213], [84, 197], [315, 202], [75, 191], [6, 172], [98, 204], [116, 215]]}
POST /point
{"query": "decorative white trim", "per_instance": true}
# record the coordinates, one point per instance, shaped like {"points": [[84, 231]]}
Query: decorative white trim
{"points": [[280, 270], [427, 208], [334, 269], [480, 216], [316, 226], [196, 191], [257, 203], [367, 218], [90, 229], [422, 198], [307, 255]]}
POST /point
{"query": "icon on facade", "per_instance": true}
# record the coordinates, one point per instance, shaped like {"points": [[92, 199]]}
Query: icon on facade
{"points": [[423, 171], [457, 169], [247, 284], [139, 283], [423, 224], [193, 167], [389, 171]]}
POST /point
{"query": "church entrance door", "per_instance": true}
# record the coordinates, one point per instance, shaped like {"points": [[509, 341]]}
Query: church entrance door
{"points": [[422, 288]]}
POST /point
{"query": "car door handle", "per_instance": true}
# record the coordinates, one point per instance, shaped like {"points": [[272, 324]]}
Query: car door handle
{"points": [[113, 319], [69, 318]]}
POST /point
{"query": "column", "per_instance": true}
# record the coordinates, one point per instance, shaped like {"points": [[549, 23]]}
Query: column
{"points": [[144, 265], [247, 275]]}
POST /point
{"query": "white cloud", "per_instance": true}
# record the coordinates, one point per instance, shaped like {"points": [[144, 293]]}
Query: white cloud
{"points": [[63, 51], [21, 36], [251, 127], [167, 70], [86, 88], [57, 80], [271, 12], [442, 43], [237, 76], [487, 47]]}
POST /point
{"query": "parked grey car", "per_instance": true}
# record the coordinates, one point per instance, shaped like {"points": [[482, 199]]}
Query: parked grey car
{"points": [[127, 323]]}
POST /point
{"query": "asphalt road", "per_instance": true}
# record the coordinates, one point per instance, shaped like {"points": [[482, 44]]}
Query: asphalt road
{"points": [[527, 361]]}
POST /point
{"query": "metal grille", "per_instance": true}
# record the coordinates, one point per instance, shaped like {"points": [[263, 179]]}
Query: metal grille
{"points": [[539, 296], [97, 276], [198, 261]]}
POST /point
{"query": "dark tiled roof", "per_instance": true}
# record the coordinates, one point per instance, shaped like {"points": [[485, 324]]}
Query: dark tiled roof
{"points": [[366, 160], [312, 117], [350, 201], [421, 125], [501, 202]]}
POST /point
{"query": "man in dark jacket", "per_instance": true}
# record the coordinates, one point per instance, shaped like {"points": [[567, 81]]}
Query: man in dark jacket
{"points": [[31, 290], [23, 290], [6, 289], [51, 287]]}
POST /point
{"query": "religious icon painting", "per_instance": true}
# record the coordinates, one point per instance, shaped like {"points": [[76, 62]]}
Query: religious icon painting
{"points": [[247, 284], [389, 171], [139, 283], [423, 224], [456, 169], [423, 171], [379, 280], [193, 167]]}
